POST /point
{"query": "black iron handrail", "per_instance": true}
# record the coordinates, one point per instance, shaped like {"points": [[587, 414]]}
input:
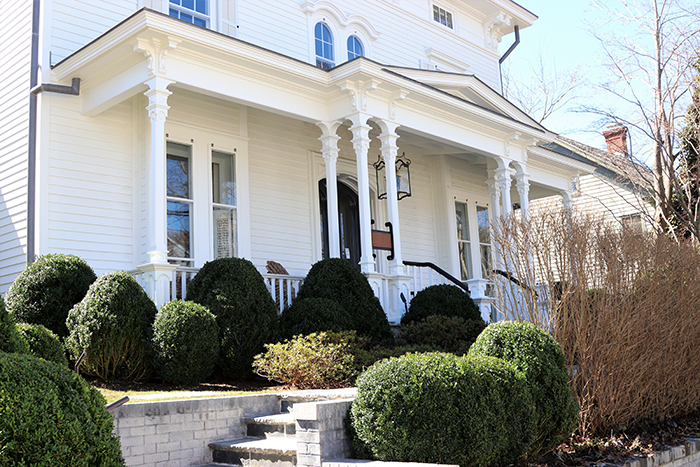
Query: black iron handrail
{"points": [[515, 281], [440, 271]]}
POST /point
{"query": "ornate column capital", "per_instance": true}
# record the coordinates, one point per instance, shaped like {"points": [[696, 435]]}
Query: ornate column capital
{"points": [[329, 139]]}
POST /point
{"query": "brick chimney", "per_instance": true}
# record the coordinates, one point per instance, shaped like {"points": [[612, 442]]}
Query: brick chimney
{"points": [[616, 139]]}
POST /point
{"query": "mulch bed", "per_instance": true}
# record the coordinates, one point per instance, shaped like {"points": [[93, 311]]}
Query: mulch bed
{"points": [[616, 448]]}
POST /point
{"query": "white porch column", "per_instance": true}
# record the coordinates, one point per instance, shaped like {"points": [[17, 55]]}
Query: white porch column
{"points": [[158, 273], [503, 182], [566, 199], [360, 142], [495, 196], [330, 156], [523, 186], [389, 152]]}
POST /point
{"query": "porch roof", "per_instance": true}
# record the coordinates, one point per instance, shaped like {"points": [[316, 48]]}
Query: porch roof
{"points": [[455, 109]]}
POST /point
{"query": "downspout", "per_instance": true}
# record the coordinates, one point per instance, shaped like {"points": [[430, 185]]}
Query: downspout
{"points": [[35, 90], [516, 29]]}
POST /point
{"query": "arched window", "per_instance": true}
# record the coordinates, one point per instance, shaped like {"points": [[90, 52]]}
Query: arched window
{"points": [[324, 47], [355, 48]]}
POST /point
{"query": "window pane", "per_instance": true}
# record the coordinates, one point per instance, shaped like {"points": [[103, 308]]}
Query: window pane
{"points": [[449, 20], [436, 13], [178, 170], [223, 178], [201, 6], [485, 251], [319, 48], [174, 13], [328, 51], [224, 233], [200, 22], [462, 221], [189, 4], [178, 229], [186, 17], [482, 214], [465, 260]]}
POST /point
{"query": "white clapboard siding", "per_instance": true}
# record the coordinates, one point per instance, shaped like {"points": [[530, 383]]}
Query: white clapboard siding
{"points": [[74, 23], [614, 200], [281, 223], [90, 188], [417, 215], [406, 31], [15, 35]]}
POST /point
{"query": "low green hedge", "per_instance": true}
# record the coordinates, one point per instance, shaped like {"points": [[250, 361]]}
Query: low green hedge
{"points": [[113, 324], [442, 300], [452, 334], [43, 343], [440, 408], [11, 341], [47, 289], [185, 341], [50, 417], [539, 356], [309, 315]]}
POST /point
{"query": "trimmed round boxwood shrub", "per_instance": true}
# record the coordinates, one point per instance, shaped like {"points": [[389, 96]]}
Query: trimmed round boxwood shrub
{"points": [[452, 334], [47, 289], [49, 416], [309, 315], [317, 361], [440, 408], [185, 342], [43, 343], [235, 292], [338, 280], [539, 356], [11, 340], [113, 325], [443, 300]]}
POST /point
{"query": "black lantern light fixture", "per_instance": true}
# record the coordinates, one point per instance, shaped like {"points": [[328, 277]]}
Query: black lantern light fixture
{"points": [[403, 177]]}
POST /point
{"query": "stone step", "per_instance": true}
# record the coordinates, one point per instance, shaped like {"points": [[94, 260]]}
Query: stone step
{"points": [[255, 452], [288, 399], [280, 425]]}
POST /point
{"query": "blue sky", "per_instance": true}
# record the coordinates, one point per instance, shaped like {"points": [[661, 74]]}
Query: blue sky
{"points": [[562, 36]]}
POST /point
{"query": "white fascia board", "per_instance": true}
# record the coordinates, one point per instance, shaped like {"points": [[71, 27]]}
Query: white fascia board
{"points": [[557, 161]]}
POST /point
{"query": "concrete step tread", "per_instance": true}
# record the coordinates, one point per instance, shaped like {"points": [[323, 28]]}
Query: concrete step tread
{"points": [[272, 419], [312, 395], [280, 446]]}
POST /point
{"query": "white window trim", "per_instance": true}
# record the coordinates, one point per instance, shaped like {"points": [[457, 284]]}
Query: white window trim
{"points": [[214, 13], [471, 199], [201, 140]]}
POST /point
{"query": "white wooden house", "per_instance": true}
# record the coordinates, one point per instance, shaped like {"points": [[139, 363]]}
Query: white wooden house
{"points": [[161, 135]]}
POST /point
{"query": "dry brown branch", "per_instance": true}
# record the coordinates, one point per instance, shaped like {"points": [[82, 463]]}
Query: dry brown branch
{"points": [[623, 305]]}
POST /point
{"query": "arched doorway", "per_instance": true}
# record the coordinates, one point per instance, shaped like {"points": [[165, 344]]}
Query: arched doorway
{"points": [[348, 220]]}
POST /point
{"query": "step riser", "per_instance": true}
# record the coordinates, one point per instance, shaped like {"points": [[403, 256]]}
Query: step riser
{"points": [[253, 459], [256, 430]]}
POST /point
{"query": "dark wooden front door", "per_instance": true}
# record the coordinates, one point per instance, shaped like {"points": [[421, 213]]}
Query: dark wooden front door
{"points": [[348, 218]]}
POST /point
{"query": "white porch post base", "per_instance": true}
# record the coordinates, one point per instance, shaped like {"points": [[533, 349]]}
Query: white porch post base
{"points": [[388, 290], [477, 290], [157, 280]]}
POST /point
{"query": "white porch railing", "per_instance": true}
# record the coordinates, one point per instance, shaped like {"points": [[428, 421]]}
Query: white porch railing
{"points": [[282, 288], [422, 278]]}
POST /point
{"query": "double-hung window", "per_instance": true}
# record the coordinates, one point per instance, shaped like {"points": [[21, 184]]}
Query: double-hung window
{"points": [[473, 240], [192, 11], [224, 204], [324, 46], [179, 203]]}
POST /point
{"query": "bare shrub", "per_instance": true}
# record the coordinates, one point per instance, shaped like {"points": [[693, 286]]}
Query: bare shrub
{"points": [[623, 305]]}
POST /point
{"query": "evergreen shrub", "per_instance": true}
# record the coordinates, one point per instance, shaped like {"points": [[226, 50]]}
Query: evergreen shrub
{"points": [[11, 341], [452, 334], [51, 417], [443, 300], [47, 289], [185, 342], [43, 343], [113, 325], [338, 280], [440, 408], [536, 353], [235, 293], [309, 315], [316, 361]]}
